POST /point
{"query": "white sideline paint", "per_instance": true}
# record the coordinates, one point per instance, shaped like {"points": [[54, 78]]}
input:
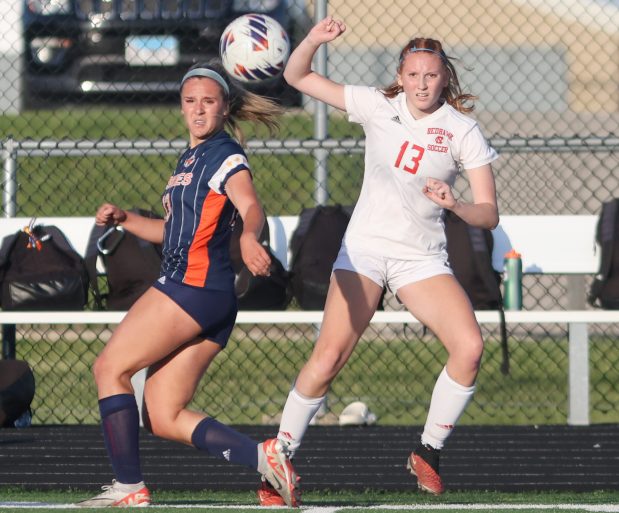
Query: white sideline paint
{"points": [[595, 508]]}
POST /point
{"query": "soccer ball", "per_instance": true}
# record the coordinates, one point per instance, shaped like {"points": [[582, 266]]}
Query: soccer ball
{"points": [[254, 47]]}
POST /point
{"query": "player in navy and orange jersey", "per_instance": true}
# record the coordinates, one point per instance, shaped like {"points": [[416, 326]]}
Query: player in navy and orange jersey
{"points": [[418, 138], [184, 320], [198, 215]]}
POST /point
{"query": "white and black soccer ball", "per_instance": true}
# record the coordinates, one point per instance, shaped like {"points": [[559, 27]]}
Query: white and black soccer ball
{"points": [[254, 47]]}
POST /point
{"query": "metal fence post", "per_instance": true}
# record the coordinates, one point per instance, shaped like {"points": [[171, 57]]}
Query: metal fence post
{"points": [[321, 193], [9, 178], [9, 209]]}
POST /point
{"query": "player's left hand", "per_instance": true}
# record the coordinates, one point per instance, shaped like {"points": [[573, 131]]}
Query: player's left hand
{"points": [[440, 193], [255, 255]]}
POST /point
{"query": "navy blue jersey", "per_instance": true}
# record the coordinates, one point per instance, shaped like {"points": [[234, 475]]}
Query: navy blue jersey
{"points": [[199, 214]]}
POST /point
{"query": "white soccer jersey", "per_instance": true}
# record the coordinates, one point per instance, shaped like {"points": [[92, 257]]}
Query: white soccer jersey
{"points": [[392, 216]]}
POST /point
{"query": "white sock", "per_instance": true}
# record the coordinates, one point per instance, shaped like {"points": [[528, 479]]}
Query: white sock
{"points": [[296, 416], [449, 399]]}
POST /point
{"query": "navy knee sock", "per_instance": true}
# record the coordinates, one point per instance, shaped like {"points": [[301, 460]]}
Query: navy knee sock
{"points": [[224, 442], [120, 423]]}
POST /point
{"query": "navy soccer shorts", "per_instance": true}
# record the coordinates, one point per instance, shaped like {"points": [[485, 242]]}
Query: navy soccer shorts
{"points": [[214, 310]]}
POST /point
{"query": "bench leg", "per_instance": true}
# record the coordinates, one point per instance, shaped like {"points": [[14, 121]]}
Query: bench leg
{"points": [[576, 292], [578, 392]]}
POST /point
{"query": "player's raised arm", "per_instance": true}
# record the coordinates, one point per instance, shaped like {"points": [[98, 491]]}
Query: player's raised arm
{"points": [[299, 73]]}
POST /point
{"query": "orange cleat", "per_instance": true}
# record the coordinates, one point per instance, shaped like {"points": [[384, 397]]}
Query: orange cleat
{"points": [[280, 473], [423, 463], [268, 496]]}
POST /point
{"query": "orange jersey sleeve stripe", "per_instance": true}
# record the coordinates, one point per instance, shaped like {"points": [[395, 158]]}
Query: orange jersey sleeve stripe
{"points": [[198, 260]]}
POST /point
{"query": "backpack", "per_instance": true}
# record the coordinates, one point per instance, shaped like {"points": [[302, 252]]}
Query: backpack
{"points": [[40, 270], [131, 265], [604, 290], [470, 257], [314, 246], [258, 292], [16, 392]]}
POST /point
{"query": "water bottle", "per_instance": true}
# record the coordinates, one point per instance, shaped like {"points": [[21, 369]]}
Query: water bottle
{"points": [[513, 281]]}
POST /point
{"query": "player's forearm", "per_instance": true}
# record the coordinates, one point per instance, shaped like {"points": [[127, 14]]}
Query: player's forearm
{"points": [[253, 220], [481, 215], [299, 64], [144, 227]]}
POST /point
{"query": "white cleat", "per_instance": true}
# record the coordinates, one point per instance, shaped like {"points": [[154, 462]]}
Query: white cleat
{"points": [[119, 495]]}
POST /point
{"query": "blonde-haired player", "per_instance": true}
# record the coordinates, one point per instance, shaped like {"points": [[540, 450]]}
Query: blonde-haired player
{"points": [[184, 320], [418, 137]]}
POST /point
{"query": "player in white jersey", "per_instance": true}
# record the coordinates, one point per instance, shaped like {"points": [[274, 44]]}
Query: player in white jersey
{"points": [[417, 139]]}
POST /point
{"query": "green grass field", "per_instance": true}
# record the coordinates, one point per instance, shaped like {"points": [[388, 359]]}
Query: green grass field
{"points": [[147, 122], [331, 502], [76, 186]]}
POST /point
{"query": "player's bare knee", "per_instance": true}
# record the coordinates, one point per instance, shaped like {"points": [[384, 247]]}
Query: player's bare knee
{"points": [[471, 359], [328, 363], [474, 352], [101, 369], [473, 364], [467, 356], [159, 425], [108, 373]]}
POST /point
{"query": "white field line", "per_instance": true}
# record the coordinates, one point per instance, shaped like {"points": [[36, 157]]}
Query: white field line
{"points": [[594, 508]]}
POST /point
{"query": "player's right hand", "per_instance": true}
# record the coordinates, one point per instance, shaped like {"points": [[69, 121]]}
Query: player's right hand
{"points": [[326, 30], [110, 214]]}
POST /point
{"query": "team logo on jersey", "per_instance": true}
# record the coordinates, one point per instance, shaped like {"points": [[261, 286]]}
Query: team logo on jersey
{"points": [[440, 135], [180, 179], [440, 131], [437, 148], [189, 161], [162, 280], [396, 119]]}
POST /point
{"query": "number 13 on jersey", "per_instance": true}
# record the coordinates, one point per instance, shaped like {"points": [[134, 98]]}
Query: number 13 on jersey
{"points": [[409, 157]]}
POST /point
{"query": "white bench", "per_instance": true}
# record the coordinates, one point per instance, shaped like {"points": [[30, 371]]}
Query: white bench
{"points": [[548, 244]]}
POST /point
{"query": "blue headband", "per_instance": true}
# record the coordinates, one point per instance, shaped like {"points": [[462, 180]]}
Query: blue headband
{"points": [[414, 49], [208, 73]]}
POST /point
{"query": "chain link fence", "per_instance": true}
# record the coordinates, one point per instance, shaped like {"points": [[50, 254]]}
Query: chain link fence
{"points": [[85, 121]]}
